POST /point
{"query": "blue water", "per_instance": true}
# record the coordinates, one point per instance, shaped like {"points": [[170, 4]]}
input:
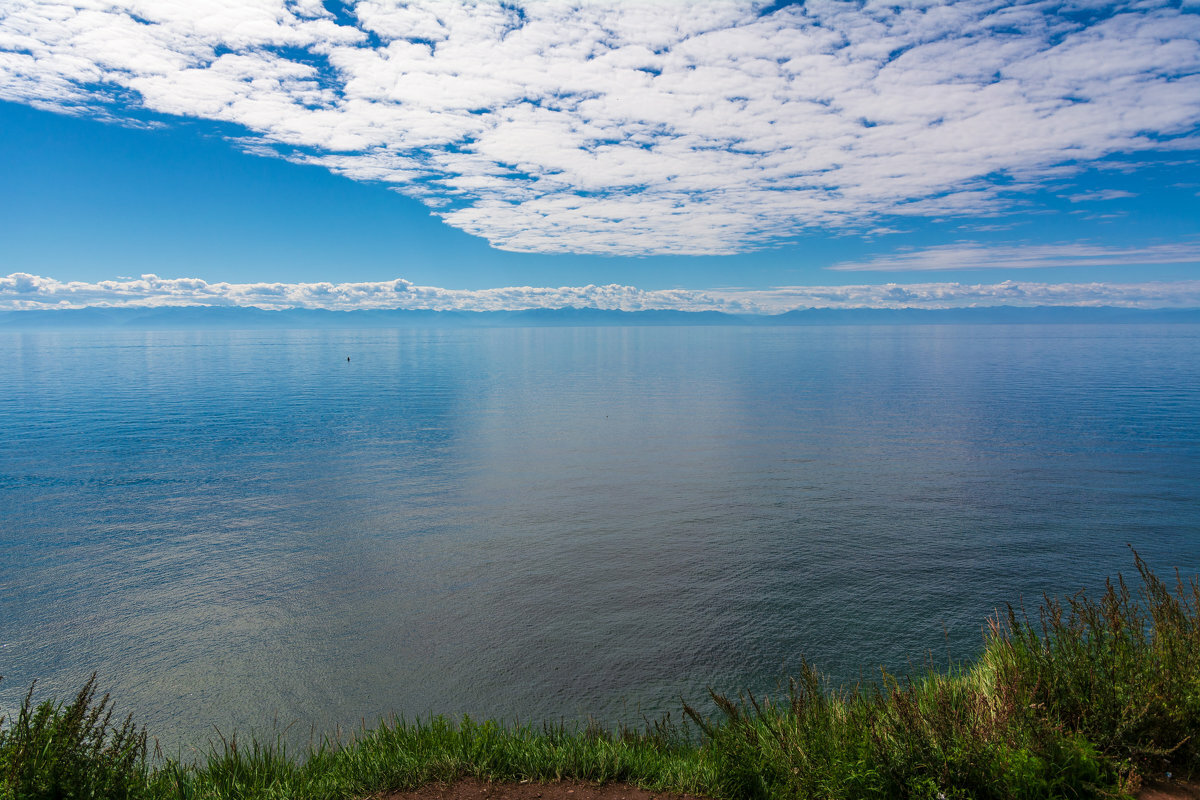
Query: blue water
{"points": [[235, 527]]}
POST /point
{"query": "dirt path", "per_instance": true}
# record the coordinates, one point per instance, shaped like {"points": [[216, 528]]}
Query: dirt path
{"points": [[472, 789], [1170, 790]]}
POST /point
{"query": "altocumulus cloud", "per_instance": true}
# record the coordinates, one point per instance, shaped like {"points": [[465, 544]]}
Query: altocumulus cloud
{"points": [[22, 291], [640, 127]]}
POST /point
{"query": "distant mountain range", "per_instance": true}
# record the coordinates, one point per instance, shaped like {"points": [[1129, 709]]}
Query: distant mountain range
{"points": [[225, 317]]}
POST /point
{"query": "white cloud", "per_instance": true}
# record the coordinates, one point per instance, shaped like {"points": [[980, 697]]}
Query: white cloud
{"points": [[1102, 194], [975, 256], [22, 291], [641, 126]]}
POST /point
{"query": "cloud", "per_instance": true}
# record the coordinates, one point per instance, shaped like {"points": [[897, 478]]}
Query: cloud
{"points": [[639, 127], [974, 256], [1102, 194], [22, 291]]}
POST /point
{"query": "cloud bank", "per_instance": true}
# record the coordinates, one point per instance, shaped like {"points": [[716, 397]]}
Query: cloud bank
{"points": [[641, 127], [21, 291]]}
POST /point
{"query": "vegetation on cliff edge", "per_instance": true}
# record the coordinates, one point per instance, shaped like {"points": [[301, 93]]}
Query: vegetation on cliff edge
{"points": [[1082, 699]]}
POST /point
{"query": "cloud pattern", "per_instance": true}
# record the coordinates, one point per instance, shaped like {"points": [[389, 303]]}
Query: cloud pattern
{"points": [[974, 256], [641, 127], [22, 291]]}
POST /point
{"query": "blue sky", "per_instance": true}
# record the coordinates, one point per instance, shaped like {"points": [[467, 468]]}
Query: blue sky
{"points": [[726, 155]]}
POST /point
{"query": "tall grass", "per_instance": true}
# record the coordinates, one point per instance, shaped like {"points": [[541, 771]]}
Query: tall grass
{"points": [[72, 751], [1122, 672], [1083, 699]]}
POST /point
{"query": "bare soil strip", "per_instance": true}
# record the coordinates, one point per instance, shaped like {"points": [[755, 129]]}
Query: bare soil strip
{"points": [[1162, 789], [473, 789]]}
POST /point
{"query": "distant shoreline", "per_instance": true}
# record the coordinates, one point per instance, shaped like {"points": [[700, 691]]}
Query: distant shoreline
{"points": [[249, 318]]}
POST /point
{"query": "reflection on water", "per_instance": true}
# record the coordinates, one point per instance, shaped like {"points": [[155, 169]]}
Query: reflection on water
{"points": [[546, 523]]}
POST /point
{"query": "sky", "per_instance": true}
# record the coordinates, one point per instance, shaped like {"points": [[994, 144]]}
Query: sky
{"points": [[710, 155]]}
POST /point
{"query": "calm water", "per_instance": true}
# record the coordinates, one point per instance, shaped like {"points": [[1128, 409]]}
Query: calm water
{"points": [[552, 523]]}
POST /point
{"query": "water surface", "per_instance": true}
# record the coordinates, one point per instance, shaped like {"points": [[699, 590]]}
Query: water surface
{"points": [[234, 527]]}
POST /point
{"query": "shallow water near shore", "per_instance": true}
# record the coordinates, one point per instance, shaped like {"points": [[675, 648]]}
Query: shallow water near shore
{"points": [[556, 523]]}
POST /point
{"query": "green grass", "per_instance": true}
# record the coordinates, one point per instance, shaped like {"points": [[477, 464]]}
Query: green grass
{"points": [[397, 756], [1083, 699], [75, 750]]}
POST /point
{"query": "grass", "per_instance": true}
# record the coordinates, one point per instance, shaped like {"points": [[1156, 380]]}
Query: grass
{"points": [[396, 755], [1083, 699], [72, 751]]}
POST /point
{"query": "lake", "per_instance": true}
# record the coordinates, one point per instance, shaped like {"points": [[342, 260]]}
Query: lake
{"points": [[561, 523]]}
